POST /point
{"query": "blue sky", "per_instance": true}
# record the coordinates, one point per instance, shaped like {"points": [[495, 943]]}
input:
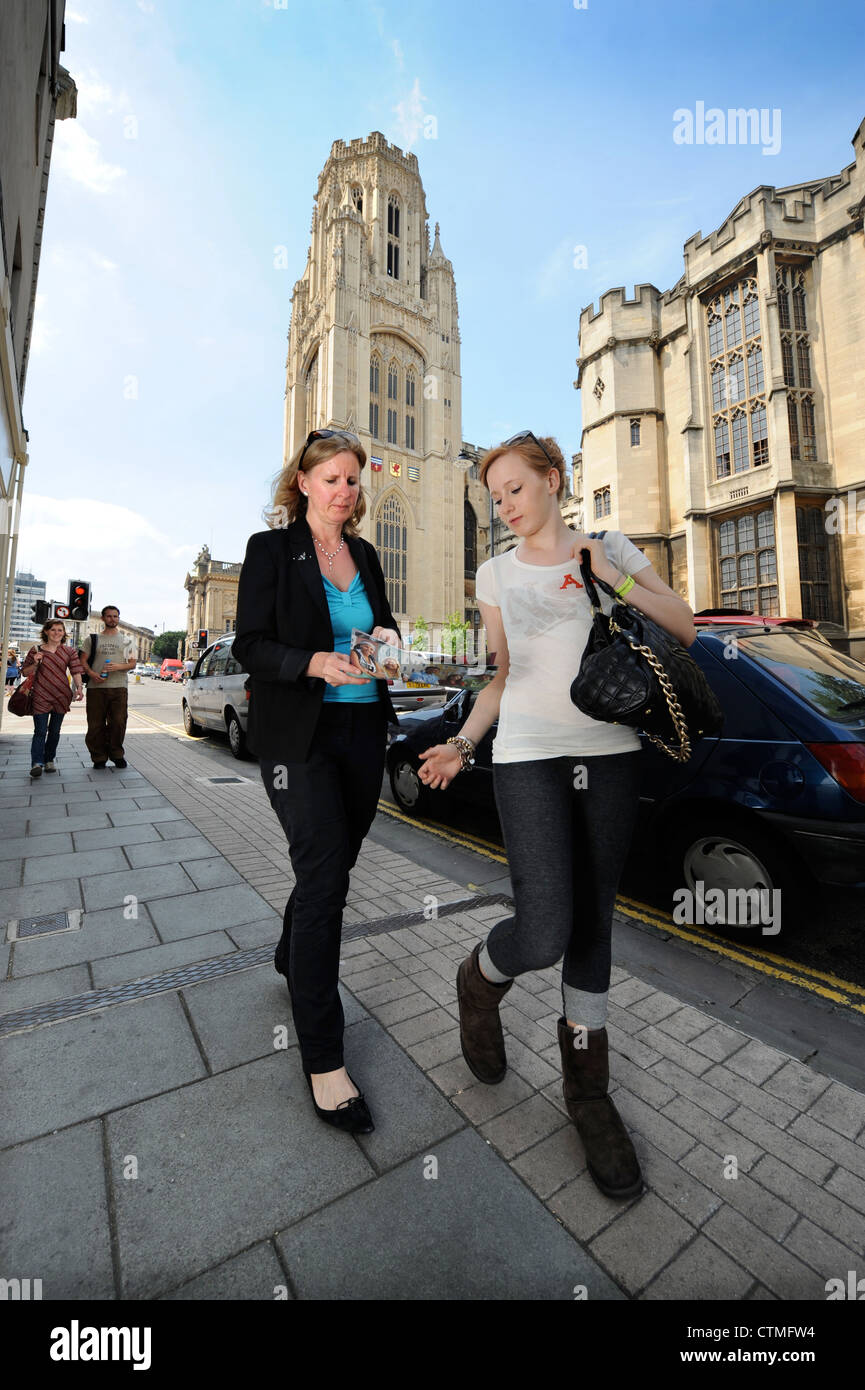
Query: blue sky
{"points": [[154, 398]]}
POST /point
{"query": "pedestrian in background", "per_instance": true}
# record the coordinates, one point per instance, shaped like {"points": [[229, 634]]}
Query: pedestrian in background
{"points": [[12, 671], [566, 837], [113, 656], [318, 726], [49, 664]]}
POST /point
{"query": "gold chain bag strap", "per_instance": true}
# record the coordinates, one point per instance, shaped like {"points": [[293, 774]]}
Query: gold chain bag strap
{"points": [[634, 672]]}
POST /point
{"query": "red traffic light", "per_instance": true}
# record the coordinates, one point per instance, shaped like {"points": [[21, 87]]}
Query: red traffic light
{"points": [[79, 599]]}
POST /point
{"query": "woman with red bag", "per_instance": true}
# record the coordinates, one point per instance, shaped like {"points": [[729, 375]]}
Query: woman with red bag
{"points": [[48, 664]]}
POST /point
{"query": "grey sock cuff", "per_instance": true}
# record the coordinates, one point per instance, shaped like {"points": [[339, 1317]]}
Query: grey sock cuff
{"points": [[488, 969], [582, 1008]]}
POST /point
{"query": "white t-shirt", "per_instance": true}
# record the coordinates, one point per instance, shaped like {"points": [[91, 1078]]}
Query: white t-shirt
{"points": [[547, 619]]}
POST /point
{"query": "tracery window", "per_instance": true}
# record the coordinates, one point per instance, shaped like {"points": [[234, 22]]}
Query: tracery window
{"points": [[391, 542], [470, 533], [747, 563], [815, 588], [374, 394], [393, 211], [796, 359], [310, 383], [602, 502], [736, 378]]}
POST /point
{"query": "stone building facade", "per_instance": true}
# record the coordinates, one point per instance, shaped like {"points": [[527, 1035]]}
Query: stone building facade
{"points": [[723, 419], [35, 92], [374, 347], [212, 589], [143, 637]]}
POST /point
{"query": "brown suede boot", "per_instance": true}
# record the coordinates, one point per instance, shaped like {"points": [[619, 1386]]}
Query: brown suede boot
{"points": [[481, 1036], [610, 1155]]}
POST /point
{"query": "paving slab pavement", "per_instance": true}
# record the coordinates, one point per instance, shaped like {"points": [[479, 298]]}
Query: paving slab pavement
{"points": [[157, 1139]]}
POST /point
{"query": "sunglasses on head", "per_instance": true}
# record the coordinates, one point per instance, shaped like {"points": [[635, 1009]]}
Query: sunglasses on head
{"points": [[326, 434], [522, 437]]}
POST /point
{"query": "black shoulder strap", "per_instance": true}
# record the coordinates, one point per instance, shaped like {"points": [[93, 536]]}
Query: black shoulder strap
{"points": [[94, 641]]}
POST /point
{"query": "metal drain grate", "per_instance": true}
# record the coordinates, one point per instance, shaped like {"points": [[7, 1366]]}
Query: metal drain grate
{"points": [[48, 923], [57, 1010], [220, 780]]}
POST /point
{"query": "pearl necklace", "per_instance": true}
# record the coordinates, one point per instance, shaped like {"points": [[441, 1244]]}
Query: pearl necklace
{"points": [[331, 555]]}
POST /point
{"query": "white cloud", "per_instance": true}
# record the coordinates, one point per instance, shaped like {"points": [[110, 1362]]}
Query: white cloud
{"points": [[102, 262], [95, 97], [397, 52], [77, 155], [409, 116], [146, 6], [44, 332], [76, 17], [125, 557]]}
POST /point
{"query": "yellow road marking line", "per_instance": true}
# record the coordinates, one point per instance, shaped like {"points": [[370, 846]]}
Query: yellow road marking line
{"points": [[657, 917], [431, 829], [813, 980], [157, 724], [759, 961]]}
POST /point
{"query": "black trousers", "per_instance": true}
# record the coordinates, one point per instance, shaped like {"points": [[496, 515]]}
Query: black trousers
{"points": [[326, 806]]}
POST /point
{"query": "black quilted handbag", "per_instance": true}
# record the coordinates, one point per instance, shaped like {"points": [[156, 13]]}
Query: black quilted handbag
{"points": [[633, 672]]}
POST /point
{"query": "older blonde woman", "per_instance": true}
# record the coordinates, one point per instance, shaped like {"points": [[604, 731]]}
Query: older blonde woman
{"points": [[318, 727]]}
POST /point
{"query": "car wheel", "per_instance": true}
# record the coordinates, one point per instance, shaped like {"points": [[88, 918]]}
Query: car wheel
{"points": [[236, 736], [408, 790], [194, 730], [732, 854]]}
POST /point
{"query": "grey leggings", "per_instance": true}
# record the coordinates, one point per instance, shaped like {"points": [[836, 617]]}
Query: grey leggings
{"points": [[566, 849]]}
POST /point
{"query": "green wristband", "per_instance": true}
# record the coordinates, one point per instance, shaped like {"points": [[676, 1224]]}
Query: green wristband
{"points": [[625, 587]]}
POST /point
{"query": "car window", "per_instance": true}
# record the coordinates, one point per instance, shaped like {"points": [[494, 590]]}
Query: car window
{"points": [[220, 659], [824, 678], [203, 667]]}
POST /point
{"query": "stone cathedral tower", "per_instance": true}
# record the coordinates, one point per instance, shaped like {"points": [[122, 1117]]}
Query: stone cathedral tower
{"points": [[374, 347]]}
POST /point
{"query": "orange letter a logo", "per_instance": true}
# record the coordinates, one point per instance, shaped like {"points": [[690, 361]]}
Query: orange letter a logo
{"points": [[569, 579]]}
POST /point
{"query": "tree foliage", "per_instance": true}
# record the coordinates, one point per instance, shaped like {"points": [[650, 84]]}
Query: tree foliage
{"points": [[166, 644]]}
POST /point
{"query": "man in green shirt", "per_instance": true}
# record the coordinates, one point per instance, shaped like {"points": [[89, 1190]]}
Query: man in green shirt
{"points": [[107, 690]]}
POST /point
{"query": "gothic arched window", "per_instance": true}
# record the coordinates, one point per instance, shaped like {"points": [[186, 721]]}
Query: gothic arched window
{"points": [[374, 378], [310, 383], [736, 377], [391, 542], [470, 528], [393, 236], [796, 360], [357, 197]]}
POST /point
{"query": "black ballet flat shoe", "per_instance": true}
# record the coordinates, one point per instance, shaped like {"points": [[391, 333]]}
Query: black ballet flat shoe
{"points": [[352, 1116]]}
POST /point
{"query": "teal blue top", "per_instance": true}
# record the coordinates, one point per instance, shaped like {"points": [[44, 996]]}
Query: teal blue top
{"points": [[348, 610]]}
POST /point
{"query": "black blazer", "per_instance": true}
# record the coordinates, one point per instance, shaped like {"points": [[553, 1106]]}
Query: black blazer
{"points": [[282, 620]]}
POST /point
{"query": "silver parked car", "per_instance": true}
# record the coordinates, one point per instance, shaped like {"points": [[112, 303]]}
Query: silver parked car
{"points": [[215, 696]]}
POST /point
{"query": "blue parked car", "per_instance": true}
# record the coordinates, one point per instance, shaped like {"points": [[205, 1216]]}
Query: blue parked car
{"points": [[777, 801]]}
